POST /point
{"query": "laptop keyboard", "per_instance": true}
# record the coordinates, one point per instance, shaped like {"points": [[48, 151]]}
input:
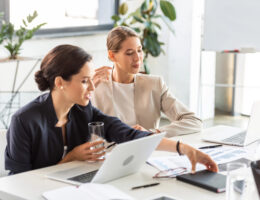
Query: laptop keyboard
{"points": [[84, 178], [236, 139]]}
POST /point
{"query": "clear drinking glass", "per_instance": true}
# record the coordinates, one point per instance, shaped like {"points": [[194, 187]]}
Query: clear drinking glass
{"points": [[237, 181], [96, 129]]}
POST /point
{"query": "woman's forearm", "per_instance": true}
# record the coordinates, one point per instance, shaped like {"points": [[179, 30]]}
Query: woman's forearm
{"points": [[167, 145], [170, 145]]}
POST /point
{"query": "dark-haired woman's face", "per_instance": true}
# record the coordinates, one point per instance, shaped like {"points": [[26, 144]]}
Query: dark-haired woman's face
{"points": [[79, 89]]}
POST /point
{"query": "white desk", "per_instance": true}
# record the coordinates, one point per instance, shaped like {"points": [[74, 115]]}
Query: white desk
{"points": [[30, 185]]}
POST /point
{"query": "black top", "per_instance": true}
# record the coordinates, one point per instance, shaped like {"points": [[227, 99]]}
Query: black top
{"points": [[33, 141]]}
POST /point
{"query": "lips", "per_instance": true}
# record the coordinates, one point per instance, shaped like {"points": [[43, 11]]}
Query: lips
{"points": [[136, 65], [88, 96]]}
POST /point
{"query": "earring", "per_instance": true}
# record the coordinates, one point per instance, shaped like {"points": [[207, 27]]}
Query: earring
{"points": [[61, 87]]}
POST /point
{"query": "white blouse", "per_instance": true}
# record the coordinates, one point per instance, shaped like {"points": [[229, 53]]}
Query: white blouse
{"points": [[124, 102]]}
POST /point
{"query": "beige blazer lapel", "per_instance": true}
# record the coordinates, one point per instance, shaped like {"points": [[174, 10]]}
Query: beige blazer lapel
{"points": [[103, 97]]}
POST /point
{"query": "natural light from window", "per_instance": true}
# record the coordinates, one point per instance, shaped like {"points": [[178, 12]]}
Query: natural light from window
{"points": [[63, 13]]}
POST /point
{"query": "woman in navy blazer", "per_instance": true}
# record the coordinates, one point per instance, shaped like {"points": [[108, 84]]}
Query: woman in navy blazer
{"points": [[40, 130]]}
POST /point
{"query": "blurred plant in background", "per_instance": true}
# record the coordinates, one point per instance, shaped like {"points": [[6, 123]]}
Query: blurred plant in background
{"points": [[145, 22], [13, 39]]}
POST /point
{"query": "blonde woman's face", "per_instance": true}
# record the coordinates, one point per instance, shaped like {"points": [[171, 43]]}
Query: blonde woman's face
{"points": [[130, 57]]}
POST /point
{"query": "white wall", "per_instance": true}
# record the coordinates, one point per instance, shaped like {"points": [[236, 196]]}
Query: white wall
{"points": [[180, 65]]}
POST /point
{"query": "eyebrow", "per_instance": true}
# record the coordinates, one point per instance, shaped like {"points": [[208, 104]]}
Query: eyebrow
{"points": [[133, 49], [86, 77]]}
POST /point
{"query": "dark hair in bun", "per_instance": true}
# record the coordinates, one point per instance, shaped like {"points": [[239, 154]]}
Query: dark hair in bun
{"points": [[64, 61], [42, 82]]}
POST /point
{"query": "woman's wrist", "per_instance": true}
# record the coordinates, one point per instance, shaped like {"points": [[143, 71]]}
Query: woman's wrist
{"points": [[68, 157], [183, 148], [178, 144]]}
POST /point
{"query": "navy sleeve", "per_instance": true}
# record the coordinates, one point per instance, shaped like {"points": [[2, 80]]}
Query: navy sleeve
{"points": [[116, 130], [18, 149]]}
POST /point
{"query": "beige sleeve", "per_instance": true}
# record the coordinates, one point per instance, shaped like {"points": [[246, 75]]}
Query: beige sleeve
{"points": [[182, 120]]}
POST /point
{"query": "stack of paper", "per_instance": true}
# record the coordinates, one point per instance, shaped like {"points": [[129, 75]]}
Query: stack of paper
{"points": [[86, 191], [219, 155]]}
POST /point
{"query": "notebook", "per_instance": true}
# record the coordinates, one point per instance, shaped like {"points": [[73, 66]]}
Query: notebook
{"points": [[125, 159], [236, 136], [208, 180]]}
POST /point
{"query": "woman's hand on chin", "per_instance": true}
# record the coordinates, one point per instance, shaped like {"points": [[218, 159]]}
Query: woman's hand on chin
{"points": [[101, 74]]}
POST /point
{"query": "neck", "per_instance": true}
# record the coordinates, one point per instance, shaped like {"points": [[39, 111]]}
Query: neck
{"points": [[121, 76], [61, 107]]}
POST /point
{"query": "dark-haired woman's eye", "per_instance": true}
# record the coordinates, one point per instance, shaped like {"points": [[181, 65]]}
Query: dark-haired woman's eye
{"points": [[84, 81]]}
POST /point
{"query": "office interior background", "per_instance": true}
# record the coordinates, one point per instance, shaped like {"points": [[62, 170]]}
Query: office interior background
{"points": [[194, 66]]}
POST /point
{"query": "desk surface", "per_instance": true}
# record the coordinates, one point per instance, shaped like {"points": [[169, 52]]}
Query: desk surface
{"points": [[30, 185]]}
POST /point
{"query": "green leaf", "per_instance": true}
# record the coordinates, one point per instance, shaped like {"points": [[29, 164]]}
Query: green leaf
{"points": [[152, 45], [14, 39], [30, 18], [157, 25], [137, 13], [148, 8], [146, 68], [168, 9], [137, 30], [24, 23], [138, 19], [123, 8], [115, 18]]}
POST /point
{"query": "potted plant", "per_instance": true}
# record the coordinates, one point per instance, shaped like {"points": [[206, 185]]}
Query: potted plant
{"points": [[145, 22], [13, 39]]}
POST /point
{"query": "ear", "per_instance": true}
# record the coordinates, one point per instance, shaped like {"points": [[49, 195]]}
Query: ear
{"points": [[58, 82], [111, 56]]}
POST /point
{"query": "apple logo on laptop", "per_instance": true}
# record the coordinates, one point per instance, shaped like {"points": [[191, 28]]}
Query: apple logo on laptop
{"points": [[128, 160]]}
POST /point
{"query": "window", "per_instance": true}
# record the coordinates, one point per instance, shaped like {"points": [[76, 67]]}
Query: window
{"points": [[63, 16]]}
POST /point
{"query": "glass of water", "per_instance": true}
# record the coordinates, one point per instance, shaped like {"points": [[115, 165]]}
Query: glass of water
{"points": [[96, 129], [237, 181]]}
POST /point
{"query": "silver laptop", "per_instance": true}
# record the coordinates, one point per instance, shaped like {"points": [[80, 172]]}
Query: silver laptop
{"points": [[233, 135], [125, 159]]}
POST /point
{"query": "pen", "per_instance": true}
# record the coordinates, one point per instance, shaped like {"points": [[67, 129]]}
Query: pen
{"points": [[145, 186], [113, 144], [210, 147]]}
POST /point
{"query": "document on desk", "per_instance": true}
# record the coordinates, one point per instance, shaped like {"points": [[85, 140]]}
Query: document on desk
{"points": [[225, 154], [219, 155], [86, 191]]}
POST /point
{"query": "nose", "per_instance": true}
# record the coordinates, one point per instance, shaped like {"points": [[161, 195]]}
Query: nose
{"points": [[91, 86], [137, 57]]}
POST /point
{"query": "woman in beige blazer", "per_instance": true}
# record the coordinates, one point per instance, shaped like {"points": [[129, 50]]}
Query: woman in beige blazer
{"points": [[147, 95]]}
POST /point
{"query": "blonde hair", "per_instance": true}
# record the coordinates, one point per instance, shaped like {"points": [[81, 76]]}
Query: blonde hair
{"points": [[118, 35]]}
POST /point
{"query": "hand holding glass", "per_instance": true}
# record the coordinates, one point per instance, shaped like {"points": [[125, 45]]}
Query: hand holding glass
{"points": [[96, 129]]}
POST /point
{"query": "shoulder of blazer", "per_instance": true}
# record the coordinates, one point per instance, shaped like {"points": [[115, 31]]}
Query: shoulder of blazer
{"points": [[149, 80]]}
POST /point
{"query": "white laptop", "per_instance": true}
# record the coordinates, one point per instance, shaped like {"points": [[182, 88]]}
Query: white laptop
{"points": [[125, 159], [233, 135]]}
